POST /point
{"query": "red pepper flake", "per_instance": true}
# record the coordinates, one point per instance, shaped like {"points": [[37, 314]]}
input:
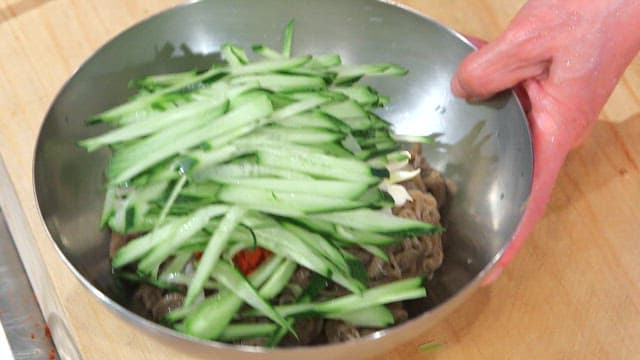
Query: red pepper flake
{"points": [[47, 332], [52, 353], [197, 255], [33, 336], [248, 260]]}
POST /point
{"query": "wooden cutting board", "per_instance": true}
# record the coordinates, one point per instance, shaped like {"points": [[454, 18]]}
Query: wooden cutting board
{"points": [[572, 293]]}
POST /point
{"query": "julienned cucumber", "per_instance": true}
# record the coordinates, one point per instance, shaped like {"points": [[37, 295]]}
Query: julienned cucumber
{"points": [[283, 153]]}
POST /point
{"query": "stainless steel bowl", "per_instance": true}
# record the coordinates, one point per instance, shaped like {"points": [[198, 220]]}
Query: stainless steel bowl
{"points": [[486, 150]]}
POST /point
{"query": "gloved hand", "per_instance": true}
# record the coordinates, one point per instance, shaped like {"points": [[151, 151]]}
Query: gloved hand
{"points": [[568, 56]]}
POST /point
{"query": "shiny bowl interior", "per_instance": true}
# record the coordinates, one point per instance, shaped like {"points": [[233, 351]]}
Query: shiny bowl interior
{"points": [[485, 148]]}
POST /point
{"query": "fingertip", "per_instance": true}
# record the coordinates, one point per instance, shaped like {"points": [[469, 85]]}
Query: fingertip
{"points": [[456, 87]]}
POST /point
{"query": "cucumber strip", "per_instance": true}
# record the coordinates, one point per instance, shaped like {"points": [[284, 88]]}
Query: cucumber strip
{"points": [[280, 100], [287, 38], [298, 107], [324, 61], [133, 210], [400, 290], [209, 318], [328, 188], [377, 316], [302, 136], [379, 123], [188, 227], [279, 241], [180, 278], [172, 198], [321, 94], [353, 72], [282, 202], [231, 278], [207, 159], [266, 52], [270, 66], [358, 122], [319, 244], [397, 157], [318, 164], [363, 237], [346, 235], [377, 152], [212, 252], [245, 170], [375, 251], [136, 278], [176, 265], [233, 134], [178, 314], [376, 221], [315, 119], [282, 83], [144, 155], [246, 331], [134, 159], [325, 75], [141, 102], [154, 122], [200, 190], [162, 80], [345, 109], [335, 149], [137, 248], [108, 207], [279, 280], [234, 55], [362, 94]]}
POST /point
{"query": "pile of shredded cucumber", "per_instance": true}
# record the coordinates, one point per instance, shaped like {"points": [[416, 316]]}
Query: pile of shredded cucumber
{"points": [[281, 152]]}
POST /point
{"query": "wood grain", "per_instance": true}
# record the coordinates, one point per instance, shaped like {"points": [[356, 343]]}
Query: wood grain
{"points": [[573, 292]]}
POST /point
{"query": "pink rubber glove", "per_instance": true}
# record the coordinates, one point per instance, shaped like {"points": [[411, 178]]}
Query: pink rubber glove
{"points": [[568, 55]]}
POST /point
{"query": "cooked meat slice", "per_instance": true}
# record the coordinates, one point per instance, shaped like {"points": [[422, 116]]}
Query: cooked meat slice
{"points": [[117, 241], [420, 255], [399, 313], [300, 277], [168, 302], [436, 184], [308, 329], [148, 295], [339, 331], [424, 207]]}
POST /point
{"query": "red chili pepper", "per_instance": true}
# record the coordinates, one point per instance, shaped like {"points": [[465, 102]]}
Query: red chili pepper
{"points": [[197, 255], [248, 260]]}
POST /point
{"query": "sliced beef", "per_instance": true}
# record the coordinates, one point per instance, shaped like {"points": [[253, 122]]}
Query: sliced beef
{"points": [[339, 331], [308, 329], [169, 301], [421, 255]]}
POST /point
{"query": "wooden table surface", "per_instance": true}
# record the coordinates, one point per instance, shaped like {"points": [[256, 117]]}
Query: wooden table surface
{"points": [[573, 292]]}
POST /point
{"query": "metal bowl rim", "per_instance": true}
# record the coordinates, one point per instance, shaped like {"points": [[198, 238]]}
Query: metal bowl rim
{"points": [[149, 325]]}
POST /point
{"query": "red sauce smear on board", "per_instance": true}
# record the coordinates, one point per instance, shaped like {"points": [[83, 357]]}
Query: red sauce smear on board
{"points": [[248, 260]]}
